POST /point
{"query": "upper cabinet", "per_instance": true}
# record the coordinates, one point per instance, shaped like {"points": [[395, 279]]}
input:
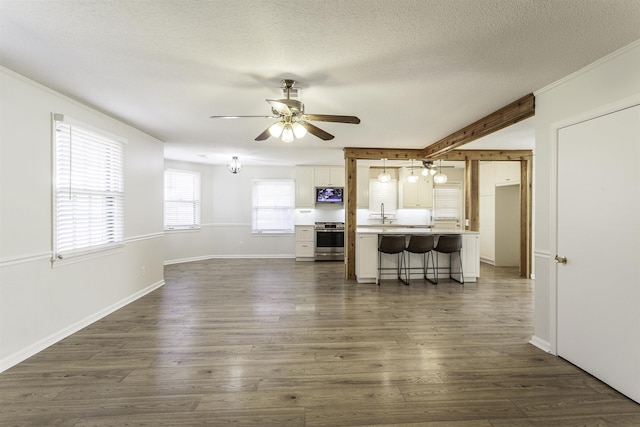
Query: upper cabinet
{"points": [[305, 189], [363, 188], [329, 176], [416, 194], [310, 177], [507, 172]]}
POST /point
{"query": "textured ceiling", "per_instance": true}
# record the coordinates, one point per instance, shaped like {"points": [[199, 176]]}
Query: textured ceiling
{"points": [[413, 71]]}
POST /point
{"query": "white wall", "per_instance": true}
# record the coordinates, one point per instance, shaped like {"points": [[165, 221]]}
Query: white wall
{"points": [[226, 217], [40, 305], [609, 80]]}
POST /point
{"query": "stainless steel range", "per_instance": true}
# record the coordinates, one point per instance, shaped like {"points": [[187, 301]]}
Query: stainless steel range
{"points": [[329, 241]]}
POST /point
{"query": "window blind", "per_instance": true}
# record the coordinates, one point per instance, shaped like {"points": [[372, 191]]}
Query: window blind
{"points": [[447, 201], [181, 199], [273, 206], [89, 189]]}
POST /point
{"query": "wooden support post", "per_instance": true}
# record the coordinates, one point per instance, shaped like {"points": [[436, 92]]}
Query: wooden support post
{"points": [[525, 216], [472, 194], [351, 180]]}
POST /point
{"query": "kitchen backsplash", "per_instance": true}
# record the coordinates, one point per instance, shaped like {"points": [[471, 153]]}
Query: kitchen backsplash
{"points": [[363, 216]]}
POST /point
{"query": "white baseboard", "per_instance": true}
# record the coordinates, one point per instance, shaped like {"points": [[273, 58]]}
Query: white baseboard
{"points": [[37, 347], [541, 344]]}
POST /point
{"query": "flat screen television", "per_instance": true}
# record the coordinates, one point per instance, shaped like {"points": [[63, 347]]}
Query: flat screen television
{"points": [[329, 194]]}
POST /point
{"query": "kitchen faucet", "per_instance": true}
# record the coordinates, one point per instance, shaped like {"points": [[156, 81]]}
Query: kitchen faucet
{"points": [[382, 212]]}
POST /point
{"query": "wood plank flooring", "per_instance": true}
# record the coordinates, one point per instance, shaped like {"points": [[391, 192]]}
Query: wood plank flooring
{"points": [[279, 343]]}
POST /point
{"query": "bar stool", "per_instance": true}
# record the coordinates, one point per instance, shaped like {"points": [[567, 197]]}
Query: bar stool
{"points": [[449, 244], [392, 244], [420, 244]]}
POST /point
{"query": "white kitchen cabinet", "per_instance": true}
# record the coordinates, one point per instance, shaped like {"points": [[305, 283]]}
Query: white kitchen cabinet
{"points": [[487, 178], [417, 194], [471, 255], [305, 242], [329, 176], [507, 172], [363, 188], [367, 254], [305, 189], [367, 258]]}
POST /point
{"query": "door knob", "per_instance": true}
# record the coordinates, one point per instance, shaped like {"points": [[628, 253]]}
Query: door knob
{"points": [[561, 259]]}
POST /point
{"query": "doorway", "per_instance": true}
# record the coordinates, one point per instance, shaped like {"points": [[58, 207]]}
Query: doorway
{"points": [[598, 247]]}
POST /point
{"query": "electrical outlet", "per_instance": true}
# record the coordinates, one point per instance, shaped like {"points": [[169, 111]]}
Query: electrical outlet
{"points": [[143, 271]]}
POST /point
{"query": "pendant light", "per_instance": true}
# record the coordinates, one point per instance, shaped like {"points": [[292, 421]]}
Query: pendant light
{"points": [[234, 166], [440, 178], [413, 178], [384, 176]]}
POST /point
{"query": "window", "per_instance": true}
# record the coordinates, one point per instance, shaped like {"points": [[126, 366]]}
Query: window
{"points": [[181, 199], [273, 205], [88, 189], [447, 202]]}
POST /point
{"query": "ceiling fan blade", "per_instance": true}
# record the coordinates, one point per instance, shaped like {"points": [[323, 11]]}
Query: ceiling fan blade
{"points": [[280, 107], [241, 117], [264, 135], [314, 130], [331, 118]]}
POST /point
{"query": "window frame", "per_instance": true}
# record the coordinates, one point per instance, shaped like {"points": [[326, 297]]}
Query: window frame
{"points": [[87, 209], [196, 202], [288, 208], [457, 187]]}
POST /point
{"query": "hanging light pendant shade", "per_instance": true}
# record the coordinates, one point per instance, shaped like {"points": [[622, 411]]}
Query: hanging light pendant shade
{"points": [[412, 178], [384, 176], [440, 178]]}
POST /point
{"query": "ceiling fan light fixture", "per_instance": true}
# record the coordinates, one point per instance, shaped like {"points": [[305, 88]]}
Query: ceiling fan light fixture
{"points": [[424, 171], [287, 133], [234, 166], [298, 130], [276, 129]]}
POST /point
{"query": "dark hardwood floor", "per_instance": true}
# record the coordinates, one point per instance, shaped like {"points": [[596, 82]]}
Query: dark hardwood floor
{"points": [[279, 343]]}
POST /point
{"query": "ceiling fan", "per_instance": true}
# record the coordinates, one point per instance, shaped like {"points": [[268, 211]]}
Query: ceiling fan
{"points": [[293, 122]]}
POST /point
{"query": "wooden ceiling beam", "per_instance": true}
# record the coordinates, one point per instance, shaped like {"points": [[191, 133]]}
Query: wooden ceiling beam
{"points": [[382, 153], [512, 113], [485, 155]]}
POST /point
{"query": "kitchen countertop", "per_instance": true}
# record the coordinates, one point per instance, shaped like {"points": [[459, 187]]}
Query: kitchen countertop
{"points": [[378, 225], [409, 230]]}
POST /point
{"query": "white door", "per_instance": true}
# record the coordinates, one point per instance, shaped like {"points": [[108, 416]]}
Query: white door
{"points": [[598, 288]]}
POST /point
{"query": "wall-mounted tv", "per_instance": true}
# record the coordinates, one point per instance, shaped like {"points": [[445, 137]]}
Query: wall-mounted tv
{"points": [[329, 194]]}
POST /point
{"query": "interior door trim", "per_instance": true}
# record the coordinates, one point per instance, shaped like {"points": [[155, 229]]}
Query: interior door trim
{"points": [[553, 201]]}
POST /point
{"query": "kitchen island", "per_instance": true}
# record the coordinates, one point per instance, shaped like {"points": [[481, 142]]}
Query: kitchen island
{"points": [[367, 239]]}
